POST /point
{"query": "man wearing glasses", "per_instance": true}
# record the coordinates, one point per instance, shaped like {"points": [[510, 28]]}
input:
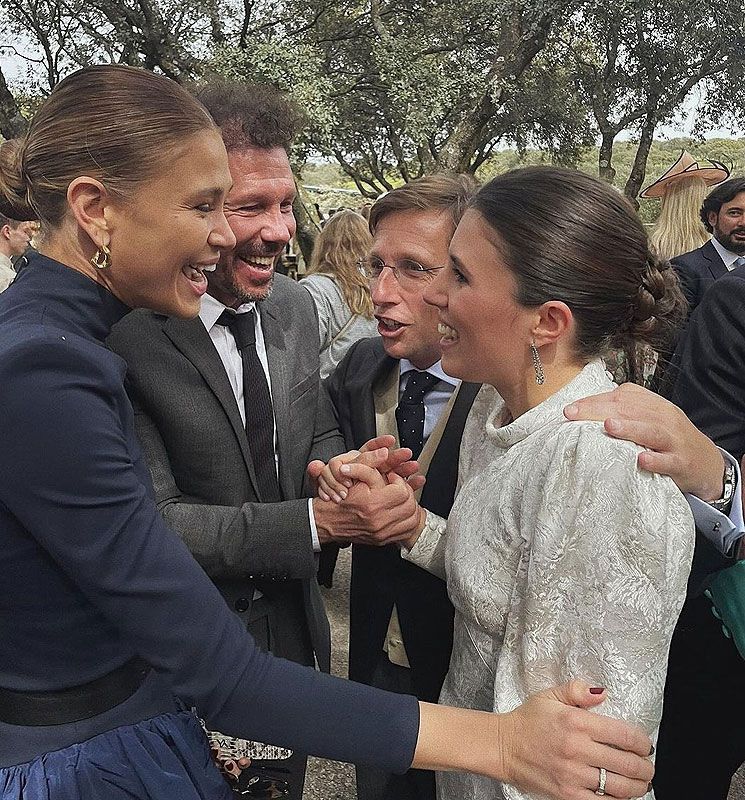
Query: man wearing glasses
{"points": [[400, 616]]}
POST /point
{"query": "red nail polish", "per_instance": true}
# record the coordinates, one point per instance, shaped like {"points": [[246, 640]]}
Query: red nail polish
{"points": [[597, 689]]}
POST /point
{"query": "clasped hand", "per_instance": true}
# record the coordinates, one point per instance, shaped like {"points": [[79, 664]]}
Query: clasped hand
{"points": [[366, 496]]}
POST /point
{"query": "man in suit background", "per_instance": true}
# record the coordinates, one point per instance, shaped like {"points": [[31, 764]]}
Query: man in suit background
{"points": [[230, 409], [400, 616], [723, 215], [702, 738]]}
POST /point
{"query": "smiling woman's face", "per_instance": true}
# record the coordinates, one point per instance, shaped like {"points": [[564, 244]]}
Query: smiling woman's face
{"points": [[171, 229], [485, 331]]}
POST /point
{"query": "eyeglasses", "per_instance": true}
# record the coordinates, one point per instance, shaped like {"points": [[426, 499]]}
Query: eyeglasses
{"points": [[408, 272]]}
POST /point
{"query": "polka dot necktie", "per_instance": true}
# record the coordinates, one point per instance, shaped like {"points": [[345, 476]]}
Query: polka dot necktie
{"points": [[410, 411], [258, 403]]}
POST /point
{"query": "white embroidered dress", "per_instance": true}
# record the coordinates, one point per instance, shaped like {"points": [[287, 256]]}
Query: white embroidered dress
{"points": [[563, 560]]}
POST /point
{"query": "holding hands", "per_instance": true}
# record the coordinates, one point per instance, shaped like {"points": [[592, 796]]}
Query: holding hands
{"points": [[366, 496], [333, 480]]}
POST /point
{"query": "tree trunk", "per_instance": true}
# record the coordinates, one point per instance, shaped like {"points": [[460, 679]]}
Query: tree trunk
{"points": [[455, 156], [605, 157], [307, 228], [12, 124], [521, 39], [639, 170]]}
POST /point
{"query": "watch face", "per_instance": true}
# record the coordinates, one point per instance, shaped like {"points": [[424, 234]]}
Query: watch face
{"points": [[730, 479]]}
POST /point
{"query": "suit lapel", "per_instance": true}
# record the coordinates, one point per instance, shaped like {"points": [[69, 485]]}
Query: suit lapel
{"points": [[433, 442], [716, 265], [385, 398], [279, 376], [190, 337]]}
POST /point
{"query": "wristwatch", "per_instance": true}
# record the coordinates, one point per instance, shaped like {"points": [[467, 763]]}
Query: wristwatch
{"points": [[730, 481]]}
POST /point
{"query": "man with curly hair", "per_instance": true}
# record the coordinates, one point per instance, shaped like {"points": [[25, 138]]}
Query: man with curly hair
{"points": [[230, 408]]}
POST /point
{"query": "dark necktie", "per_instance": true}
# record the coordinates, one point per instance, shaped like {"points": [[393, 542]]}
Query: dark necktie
{"points": [[257, 402], [410, 411]]}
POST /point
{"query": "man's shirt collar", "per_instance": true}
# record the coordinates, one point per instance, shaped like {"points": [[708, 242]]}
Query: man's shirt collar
{"points": [[210, 310]]}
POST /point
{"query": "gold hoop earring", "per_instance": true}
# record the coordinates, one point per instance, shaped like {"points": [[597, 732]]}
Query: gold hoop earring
{"points": [[540, 377], [102, 258]]}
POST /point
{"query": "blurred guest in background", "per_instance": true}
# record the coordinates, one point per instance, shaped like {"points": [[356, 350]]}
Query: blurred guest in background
{"points": [[723, 214], [339, 289], [681, 190], [14, 239]]}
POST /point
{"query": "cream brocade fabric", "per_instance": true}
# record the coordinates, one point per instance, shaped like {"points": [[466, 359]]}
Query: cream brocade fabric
{"points": [[563, 560]]}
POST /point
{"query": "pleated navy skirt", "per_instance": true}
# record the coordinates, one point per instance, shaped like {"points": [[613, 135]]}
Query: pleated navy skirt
{"points": [[162, 757]]}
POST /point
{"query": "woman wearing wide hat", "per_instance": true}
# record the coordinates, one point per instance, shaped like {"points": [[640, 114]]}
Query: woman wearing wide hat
{"points": [[681, 190]]}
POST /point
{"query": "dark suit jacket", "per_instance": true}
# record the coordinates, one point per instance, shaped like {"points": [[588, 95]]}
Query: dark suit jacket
{"points": [[707, 380], [697, 271], [92, 575], [380, 577], [197, 450]]}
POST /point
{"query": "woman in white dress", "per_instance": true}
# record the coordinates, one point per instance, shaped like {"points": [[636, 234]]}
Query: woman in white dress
{"points": [[563, 559]]}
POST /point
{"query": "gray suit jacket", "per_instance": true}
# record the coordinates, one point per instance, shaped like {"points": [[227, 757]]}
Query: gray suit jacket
{"points": [[196, 447]]}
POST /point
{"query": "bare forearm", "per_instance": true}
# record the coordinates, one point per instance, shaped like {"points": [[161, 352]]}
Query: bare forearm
{"points": [[550, 745], [453, 739]]}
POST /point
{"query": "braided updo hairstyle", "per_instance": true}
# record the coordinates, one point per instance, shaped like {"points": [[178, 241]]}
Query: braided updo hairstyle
{"points": [[114, 123], [574, 238]]}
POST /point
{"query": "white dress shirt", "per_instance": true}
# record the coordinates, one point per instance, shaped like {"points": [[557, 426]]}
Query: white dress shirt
{"points": [[721, 530], [7, 273]]}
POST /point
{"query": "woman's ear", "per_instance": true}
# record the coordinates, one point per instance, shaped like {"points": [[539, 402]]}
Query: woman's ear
{"points": [[555, 321], [89, 202]]}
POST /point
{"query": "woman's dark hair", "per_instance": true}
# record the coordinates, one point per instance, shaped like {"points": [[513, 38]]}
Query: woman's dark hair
{"points": [[114, 123], [724, 193], [573, 238]]}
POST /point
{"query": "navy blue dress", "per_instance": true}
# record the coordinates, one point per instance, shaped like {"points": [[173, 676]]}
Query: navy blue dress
{"points": [[92, 576]]}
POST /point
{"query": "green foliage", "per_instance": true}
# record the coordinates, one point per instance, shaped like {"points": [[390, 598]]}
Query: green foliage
{"points": [[662, 155], [393, 89]]}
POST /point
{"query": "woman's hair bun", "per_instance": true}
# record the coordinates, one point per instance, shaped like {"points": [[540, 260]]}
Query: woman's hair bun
{"points": [[14, 201], [659, 306]]}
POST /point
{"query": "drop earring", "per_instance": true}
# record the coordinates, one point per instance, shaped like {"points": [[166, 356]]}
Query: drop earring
{"points": [[537, 365]]}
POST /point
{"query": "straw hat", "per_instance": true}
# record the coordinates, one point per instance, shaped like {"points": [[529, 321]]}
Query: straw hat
{"points": [[687, 167]]}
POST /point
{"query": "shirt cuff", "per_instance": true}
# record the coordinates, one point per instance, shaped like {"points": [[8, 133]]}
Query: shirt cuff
{"points": [[721, 530], [313, 529]]}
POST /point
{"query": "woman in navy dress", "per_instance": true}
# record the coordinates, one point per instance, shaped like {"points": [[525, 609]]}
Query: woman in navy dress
{"points": [[110, 633]]}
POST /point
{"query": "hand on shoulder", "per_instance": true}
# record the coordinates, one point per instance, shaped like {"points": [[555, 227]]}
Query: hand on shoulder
{"points": [[675, 445]]}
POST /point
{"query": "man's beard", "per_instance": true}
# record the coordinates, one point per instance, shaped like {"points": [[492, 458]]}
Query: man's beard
{"points": [[729, 243], [243, 296], [240, 292]]}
